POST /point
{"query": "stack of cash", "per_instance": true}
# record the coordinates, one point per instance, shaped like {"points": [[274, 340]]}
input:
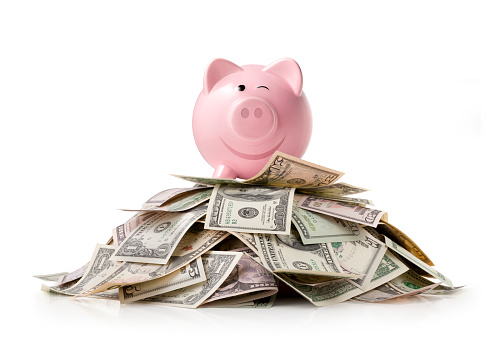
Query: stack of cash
{"points": [[292, 228]]}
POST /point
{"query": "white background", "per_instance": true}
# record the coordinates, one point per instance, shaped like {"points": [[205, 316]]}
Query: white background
{"points": [[96, 100]]}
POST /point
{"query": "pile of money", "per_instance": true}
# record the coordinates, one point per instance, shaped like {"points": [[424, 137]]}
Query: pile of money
{"points": [[291, 229]]}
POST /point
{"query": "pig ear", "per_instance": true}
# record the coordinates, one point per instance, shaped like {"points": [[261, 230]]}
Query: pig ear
{"points": [[216, 70], [289, 70]]}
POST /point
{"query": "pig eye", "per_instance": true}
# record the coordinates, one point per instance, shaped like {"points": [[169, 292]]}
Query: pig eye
{"points": [[241, 87], [263, 87]]}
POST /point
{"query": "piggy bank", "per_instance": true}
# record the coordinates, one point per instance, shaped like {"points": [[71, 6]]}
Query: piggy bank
{"points": [[245, 113]]}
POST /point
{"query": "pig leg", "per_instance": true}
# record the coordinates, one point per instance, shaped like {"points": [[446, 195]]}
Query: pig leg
{"points": [[224, 171]]}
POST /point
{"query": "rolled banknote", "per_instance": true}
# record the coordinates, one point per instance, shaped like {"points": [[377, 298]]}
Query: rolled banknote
{"points": [[345, 211], [250, 209]]}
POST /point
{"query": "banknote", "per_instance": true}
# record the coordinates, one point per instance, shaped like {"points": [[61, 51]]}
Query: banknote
{"points": [[188, 275], [319, 228], [194, 243], [168, 195], [155, 239], [248, 239], [345, 211], [287, 253], [247, 277], [110, 295], [362, 202], [182, 202], [100, 267], [406, 284], [217, 267], [127, 273], [231, 243], [51, 277], [250, 209], [360, 257], [340, 290], [245, 301], [283, 170], [208, 180], [403, 240], [416, 261], [120, 233], [77, 274], [337, 189]]}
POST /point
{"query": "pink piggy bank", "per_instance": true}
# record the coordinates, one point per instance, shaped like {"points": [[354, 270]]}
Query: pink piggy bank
{"points": [[245, 113]]}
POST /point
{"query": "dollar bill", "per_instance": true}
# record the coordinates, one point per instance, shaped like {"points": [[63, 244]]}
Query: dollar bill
{"points": [[337, 189], [165, 196], [395, 234], [183, 277], [182, 202], [250, 209], [283, 170], [100, 267], [248, 239], [243, 301], [51, 277], [362, 202], [217, 267], [120, 233], [110, 295], [319, 228], [247, 277], [208, 180], [345, 211], [77, 274], [155, 239], [127, 273], [406, 284], [287, 253], [416, 261], [340, 290], [195, 242], [360, 257]]}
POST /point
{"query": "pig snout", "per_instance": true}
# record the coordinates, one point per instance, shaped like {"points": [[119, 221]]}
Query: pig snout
{"points": [[253, 119]]}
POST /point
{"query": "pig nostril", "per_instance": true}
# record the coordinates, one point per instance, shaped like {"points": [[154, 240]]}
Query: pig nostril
{"points": [[258, 112], [245, 112]]}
